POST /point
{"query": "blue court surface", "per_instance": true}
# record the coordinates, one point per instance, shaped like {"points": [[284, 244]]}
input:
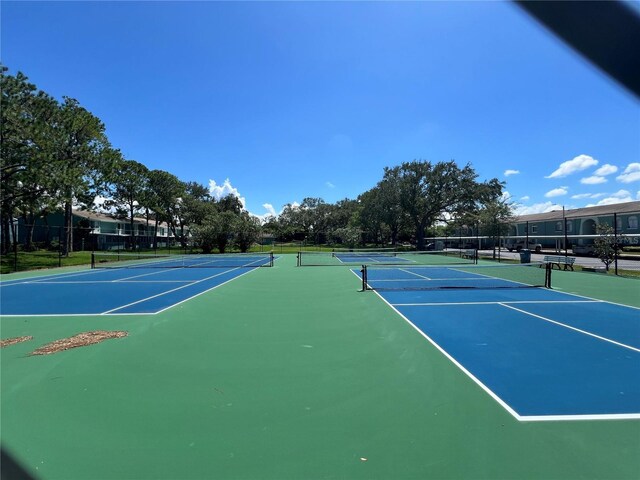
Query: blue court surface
{"points": [[540, 353], [111, 291]]}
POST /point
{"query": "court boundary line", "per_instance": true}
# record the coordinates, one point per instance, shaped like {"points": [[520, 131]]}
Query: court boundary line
{"points": [[105, 314], [584, 332], [172, 290], [35, 279], [496, 397], [432, 304]]}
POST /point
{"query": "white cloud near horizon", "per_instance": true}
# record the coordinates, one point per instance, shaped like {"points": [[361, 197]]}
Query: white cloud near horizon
{"points": [[510, 172], [577, 164], [630, 174], [221, 191], [536, 208], [526, 198], [621, 196], [556, 192]]}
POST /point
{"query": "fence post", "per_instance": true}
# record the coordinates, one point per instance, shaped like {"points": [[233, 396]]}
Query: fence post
{"points": [[60, 248], [615, 241]]}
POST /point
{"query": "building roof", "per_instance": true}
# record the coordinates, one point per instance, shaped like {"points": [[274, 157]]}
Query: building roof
{"points": [[624, 208], [105, 217]]}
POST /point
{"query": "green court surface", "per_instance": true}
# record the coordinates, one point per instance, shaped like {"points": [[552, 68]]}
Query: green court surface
{"points": [[285, 373]]}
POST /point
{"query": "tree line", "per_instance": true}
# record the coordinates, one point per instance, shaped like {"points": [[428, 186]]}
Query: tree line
{"points": [[55, 156]]}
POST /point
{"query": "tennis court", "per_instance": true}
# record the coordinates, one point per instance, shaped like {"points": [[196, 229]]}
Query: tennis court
{"points": [[122, 284], [541, 354], [296, 373]]}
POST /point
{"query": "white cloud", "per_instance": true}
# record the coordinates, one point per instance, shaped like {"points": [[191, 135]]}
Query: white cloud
{"points": [[577, 164], [621, 196], [630, 174], [330, 185], [606, 169], [556, 192], [271, 211], [526, 198], [269, 208], [511, 172], [537, 208], [220, 191], [593, 180], [588, 195]]}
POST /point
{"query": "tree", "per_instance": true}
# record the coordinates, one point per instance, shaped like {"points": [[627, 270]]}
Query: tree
{"points": [[129, 190], [246, 231], [191, 209], [205, 235], [53, 155], [605, 244], [26, 168], [439, 192], [75, 141], [164, 191]]}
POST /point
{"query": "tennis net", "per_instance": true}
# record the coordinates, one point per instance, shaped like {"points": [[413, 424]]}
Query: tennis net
{"points": [[142, 260], [386, 257], [384, 278]]}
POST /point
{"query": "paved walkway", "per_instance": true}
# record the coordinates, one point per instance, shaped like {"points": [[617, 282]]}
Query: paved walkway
{"points": [[582, 261]]}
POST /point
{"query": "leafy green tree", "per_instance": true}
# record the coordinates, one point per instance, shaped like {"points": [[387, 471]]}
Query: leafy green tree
{"points": [[605, 244], [350, 236], [26, 169], [205, 235], [52, 154], [191, 209], [494, 218], [77, 144], [130, 188], [246, 231], [438, 192], [164, 191], [230, 203]]}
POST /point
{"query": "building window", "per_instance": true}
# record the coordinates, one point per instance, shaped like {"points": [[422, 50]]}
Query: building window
{"points": [[618, 224], [633, 223], [534, 228], [569, 227], [559, 226]]}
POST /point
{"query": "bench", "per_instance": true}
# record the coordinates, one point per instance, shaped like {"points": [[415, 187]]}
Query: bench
{"points": [[557, 260], [469, 253]]}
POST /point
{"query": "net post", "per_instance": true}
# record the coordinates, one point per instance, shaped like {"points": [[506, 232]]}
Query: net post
{"points": [[298, 263], [271, 259], [364, 278], [547, 280]]}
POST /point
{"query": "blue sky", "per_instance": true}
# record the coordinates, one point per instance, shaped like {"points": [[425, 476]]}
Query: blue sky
{"points": [[280, 101]]}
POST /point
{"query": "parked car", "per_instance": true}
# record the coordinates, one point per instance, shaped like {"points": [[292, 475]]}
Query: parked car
{"points": [[522, 244]]}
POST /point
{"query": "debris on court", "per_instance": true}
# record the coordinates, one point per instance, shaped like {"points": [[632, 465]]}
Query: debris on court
{"points": [[13, 341], [79, 340]]}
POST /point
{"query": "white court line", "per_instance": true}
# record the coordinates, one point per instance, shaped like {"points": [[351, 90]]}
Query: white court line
{"points": [[168, 291], [502, 403], [86, 282], [156, 272], [202, 293], [412, 273], [22, 281], [431, 304], [605, 339]]}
